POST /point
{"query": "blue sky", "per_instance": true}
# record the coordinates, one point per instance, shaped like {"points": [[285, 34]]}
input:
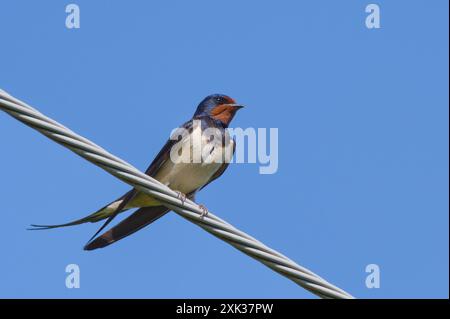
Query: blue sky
{"points": [[363, 143]]}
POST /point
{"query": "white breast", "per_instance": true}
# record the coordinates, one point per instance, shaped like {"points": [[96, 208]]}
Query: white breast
{"points": [[187, 177]]}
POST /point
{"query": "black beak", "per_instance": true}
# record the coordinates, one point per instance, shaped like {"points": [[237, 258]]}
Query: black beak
{"points": [[236, 106]]}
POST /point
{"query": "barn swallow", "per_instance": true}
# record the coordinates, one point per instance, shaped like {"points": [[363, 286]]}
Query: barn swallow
{"points": [[187, 178]]}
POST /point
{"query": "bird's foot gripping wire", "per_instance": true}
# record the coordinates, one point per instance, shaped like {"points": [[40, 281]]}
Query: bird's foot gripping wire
{"points": [[181, 197], [204, 211]]}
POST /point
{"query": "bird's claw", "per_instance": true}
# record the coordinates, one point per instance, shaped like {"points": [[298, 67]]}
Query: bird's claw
{"points": [[181, 197], [204, 211]]}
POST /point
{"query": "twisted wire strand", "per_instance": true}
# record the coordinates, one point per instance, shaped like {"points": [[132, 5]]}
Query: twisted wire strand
{"points": [[185, 208]]}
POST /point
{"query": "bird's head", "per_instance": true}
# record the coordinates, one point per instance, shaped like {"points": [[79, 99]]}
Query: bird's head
{"points": [[219, 107]]}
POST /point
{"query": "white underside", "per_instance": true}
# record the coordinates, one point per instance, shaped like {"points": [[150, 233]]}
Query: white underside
{"points": [[187, 177]]}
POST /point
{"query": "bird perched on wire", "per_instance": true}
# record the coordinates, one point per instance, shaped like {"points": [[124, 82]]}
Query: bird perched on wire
{"points": [[187, 177]]}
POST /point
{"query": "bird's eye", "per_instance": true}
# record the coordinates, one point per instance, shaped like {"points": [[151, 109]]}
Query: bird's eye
{"points": [[219, 99]]}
